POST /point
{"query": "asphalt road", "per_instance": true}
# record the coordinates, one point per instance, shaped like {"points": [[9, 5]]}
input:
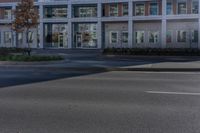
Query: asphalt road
{"points": [[110, 102]]}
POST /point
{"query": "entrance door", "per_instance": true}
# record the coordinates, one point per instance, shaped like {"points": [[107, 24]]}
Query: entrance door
{"points": [[78, 40], [61, 41]]}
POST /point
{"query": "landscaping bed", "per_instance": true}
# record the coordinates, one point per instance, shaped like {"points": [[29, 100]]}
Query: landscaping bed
{"points": [[152, 52], [18, 54]]}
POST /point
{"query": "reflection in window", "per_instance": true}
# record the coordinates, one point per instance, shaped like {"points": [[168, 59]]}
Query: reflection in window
{"points": [[195, 36], [85, 11], [125, 37], [55, 12], [181, 36], [125, 9], [55, 35], [169, 36], [195, 7], [139, 10], [7, 37], [139, 37], [182, 8], [113, 10], [154, 9], [169, 9], [20, 38], [113, 37], [153, 36]]}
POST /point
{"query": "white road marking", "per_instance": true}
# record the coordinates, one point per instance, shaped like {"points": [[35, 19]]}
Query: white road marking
{"points": [[173, 93]]}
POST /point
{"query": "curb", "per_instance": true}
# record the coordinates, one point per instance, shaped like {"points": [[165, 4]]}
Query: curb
{"points": [[102, 69]]}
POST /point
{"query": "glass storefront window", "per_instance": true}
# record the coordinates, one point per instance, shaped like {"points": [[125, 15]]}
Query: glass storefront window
{"points": [[139, 37], [85, 11], [85, 35], [169, 9], [139, 10], [56, 35], [169, 37], [195, 7], [154, 9], [182, 8], [181, 36], [113, 10], [153, 36], [195, 35], [125, 9], [7, 37], [7, 14], [55, 12]]}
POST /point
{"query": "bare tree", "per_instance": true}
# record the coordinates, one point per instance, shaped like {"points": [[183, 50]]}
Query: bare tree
{"points": [[26, 18]]}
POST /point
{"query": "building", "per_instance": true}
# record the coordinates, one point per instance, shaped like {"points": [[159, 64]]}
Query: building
{"points": [[95, 24]]}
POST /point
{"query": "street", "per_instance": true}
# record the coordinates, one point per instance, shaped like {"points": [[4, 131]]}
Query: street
{"points": [[42, 101]]}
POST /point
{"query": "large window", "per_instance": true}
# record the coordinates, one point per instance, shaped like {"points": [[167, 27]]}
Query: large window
{"points": [[125, 9], [195, 7], [125, 37], [154, 9], [139, 37], [85, 35], [20, 38], [169, 8], [195, 36], [7, 37], [85, 11], [56, 35], [182, 9], [55, 12], [153, 36], [169, 37], [181, 36], [113, 10], [139, 10], [7, 14], [113, 37]]}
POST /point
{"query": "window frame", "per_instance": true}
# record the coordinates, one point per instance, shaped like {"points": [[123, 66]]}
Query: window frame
{"points": [[156, 11], [177, 36], [136, 9], [143, 36], [117, 39], [122, 38], [123, 9], [193, 1], [154, 37], [178, 2], [117, 10]]}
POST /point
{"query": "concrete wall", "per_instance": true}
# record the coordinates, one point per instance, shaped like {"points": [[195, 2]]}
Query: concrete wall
{"points": [[146, 27], [188, 26]]}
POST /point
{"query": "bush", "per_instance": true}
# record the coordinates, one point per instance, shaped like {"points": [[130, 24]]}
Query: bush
{"points": [[152, 51], [27, 58], [7, 51]]}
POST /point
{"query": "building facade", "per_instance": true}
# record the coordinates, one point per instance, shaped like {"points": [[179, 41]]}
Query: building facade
{"points": [[96, 24]]}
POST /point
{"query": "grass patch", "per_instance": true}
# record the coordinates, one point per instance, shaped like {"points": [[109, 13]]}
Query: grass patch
{"points": [[26, 58]]}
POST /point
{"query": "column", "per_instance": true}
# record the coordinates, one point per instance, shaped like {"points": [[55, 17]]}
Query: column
{"points": [[70, 36], [14, 34], [199, 28], [41, 29], [164, 24], [130, 24], [99, 25]]}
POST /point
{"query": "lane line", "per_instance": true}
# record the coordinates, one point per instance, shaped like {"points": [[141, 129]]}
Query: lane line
{"points": [[173, 93]]}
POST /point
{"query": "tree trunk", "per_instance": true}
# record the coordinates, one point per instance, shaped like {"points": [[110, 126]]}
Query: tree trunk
{"points": [[28, 42]]}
